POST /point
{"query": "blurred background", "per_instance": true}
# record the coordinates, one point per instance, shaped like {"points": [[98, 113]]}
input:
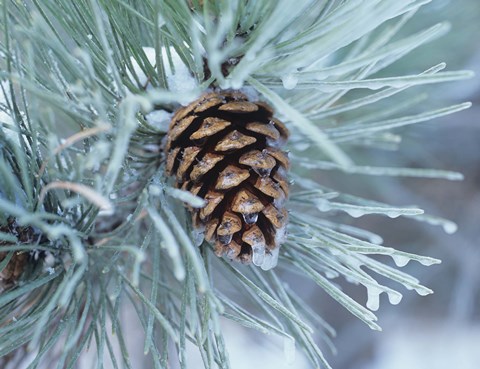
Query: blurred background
{"points": [[439, 331]]}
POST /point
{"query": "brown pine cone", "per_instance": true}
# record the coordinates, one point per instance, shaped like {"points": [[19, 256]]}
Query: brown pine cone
{"points": [[225, 149]]}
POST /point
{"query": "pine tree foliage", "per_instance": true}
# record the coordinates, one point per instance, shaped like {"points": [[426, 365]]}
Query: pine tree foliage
{"points": [[81, 166]]}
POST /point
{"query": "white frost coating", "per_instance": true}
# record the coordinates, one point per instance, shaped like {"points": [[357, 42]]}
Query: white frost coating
{"points": [[356, 211], [428, 261], [289, 81], [3, 87], [250, 93], [258, 256], [360, 233], [394, 297], [182, 80], [142, 77], [231, 254], [49, 259], [160, 119], [423, 291], [323, 205], [250, 218], [373, 297], [6, 118], [449, 227], [186, 197], [352, 280], [179, 81], [271, 259], [400, 260], [198, 235], [289, 350], [99, 152], [302, 146], [336, 252], [331, 274], [280, 235], [374, 238], [155, 190]]}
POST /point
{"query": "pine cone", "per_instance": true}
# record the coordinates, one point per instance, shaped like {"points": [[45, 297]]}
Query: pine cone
{"points": [[225, 149]]}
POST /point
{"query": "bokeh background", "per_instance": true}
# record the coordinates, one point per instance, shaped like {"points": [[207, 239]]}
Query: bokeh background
{"points": [[439, 331]]}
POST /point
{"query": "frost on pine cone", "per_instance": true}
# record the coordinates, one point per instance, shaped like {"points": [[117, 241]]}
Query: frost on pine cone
{"points": [[226, 150]]}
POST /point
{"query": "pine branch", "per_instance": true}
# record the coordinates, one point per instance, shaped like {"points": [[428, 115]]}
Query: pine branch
{"points": [[87, 88]]}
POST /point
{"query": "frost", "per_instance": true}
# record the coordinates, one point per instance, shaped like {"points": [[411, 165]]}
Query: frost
{"points": [[289, 349], [449, 227], [280, 235], [250, 218], [394, 297], [400, 260], [374, 238], [49, 259], [258, 257], [323, 205], [231, 254], [271, 259], [179, 78], [336, 252], [198, 235], [250, 56], [250, 93], [423, 291], [225, 239], [100, 152], [263, 172], [357, 211], [155, 190], [373, 297], [106, 212], [428, 261], [302, 146], [289, 81], [160, 119], [331, 274], [5, 118], [185, 197]]}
